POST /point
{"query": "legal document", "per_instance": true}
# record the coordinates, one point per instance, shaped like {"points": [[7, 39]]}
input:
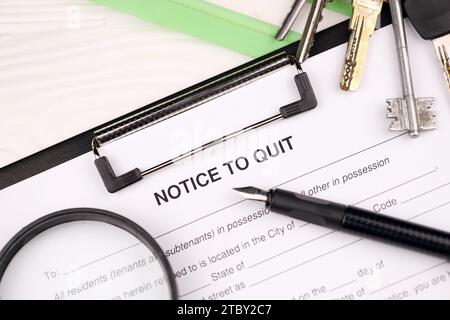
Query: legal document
{"points": [[223, 247]]}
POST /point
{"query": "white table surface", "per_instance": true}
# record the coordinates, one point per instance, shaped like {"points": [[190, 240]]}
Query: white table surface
{"points": [[69, 65]]}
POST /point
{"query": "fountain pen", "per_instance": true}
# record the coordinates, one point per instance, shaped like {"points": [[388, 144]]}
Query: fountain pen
{"points": [[349, 218]]}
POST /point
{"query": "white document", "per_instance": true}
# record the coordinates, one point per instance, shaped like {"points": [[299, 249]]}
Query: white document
{"points": [[223, 247]]}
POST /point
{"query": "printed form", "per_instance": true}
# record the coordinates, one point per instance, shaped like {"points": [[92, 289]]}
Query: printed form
{"points": [[221, 246]]}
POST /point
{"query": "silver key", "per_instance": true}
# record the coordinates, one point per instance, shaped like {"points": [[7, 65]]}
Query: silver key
{"points": [[307, 40], [289, 20], [409, 113]]}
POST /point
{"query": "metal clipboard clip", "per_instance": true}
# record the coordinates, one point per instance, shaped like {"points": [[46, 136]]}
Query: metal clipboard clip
{"points": [[189, 100]]}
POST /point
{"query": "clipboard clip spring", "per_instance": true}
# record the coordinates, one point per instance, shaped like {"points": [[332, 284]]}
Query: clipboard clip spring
{"points": [[114, 183]]}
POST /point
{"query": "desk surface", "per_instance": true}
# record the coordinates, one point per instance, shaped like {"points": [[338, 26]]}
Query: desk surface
{"points": [[69, 65]]}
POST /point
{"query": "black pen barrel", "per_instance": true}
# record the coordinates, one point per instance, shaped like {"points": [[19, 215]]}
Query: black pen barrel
{"points": [[398, 231], [356, 220]]}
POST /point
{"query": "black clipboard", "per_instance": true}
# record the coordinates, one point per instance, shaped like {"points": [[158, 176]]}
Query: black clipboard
{"points": [[82, 143]]}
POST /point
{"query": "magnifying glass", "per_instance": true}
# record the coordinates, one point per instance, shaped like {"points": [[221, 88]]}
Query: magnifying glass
{"points": [[85, 253]]}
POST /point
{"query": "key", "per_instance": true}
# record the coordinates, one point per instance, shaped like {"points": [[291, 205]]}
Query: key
{"points": [[431, 19], [309, 31], [290, 19], [409, 113], [362, 26]]}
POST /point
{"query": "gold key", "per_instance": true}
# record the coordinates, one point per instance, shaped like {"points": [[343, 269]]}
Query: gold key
{"points": [[362, 26]]}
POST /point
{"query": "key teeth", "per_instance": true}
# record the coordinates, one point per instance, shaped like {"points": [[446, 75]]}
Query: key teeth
{"points": [[395, 110], [324, 5], [427, 116], [391, 108], [443, 57]]}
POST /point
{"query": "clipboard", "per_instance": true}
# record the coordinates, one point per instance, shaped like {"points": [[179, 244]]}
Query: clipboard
{"points": [[323, 149], [83, 142]]}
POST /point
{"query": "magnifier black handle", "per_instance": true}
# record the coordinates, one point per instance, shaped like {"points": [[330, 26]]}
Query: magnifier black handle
{"points": [[112, 182]]}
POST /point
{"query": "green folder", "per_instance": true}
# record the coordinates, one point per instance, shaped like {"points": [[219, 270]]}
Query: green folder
{"points": [[213, 23]]}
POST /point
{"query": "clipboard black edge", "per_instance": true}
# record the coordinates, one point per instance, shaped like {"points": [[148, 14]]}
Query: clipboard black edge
{"points": [[80, 144]]}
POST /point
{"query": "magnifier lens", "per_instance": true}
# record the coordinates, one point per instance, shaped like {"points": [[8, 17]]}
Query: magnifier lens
{"points": [[85, 260]]}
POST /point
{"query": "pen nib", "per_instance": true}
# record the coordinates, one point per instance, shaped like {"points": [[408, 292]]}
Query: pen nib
{"points": [[252, 193]]}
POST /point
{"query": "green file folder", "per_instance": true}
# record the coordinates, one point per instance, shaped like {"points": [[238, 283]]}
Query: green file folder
{"points": [[213, 23]]}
